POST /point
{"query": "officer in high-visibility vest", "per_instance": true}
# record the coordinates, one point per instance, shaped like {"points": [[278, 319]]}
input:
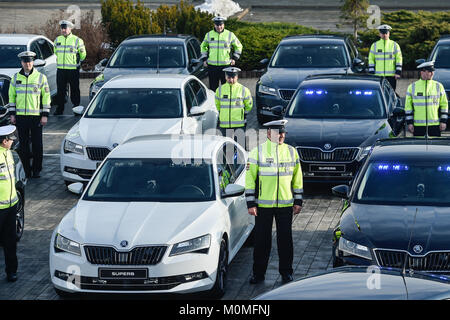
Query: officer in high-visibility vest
{"points": [[216, 49], [70, 52], [426, 105], [274, 188], [8, 201], [29, 106], [233, 101], [385, 57]]}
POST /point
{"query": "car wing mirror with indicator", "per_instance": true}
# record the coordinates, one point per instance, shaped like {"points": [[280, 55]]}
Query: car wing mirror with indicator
{"points": [[76, 187], [197, 111], [264, 62], [398, 112], [341, 191], [233, 190], [78, 110]]}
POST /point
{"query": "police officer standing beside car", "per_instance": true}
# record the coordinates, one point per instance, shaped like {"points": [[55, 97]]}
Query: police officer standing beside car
{"points": [[216, 49], [8, 201], [233, 101], [385, 57], [70, 52], [29, 106], [426, 104], [274, 188]]}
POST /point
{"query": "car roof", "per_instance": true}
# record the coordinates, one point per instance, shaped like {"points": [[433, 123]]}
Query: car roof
{"points": [[186, 146], [312, 38], [403, 149], [158, 80], [356, 80], [18, 38], [444, 39], [154, 38]]}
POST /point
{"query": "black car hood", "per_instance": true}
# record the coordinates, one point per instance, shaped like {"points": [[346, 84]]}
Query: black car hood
{"points": [[289, 78], [337, 132], [443, 76], [110, 73], [390, 227]]}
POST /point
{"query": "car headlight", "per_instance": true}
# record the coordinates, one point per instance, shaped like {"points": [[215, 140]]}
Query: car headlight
{"points": [[200, 245], [363, 153], [73, 147], [353, 248], [267, 90], [67, 245]]}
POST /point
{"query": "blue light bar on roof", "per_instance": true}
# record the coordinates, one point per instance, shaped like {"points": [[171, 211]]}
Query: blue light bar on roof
{"points": [[360, 92], [444, 168], [391, 167], [315, 92]]}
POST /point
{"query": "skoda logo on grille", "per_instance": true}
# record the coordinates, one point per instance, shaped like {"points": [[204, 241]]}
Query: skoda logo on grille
{"points": [[124, 243], [327, 146], [418, 248]]}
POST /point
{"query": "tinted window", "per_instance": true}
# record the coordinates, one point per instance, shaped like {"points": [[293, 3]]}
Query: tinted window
{"points": [[309, 56], [136, 103], [154, 180], [4, 87], [199, 91], [408, 183], [191, 100], [8, 56], [342, 102], [146, 56], [191, 52], [196, 46], [442, 56], [35, 48], [46, 48]]}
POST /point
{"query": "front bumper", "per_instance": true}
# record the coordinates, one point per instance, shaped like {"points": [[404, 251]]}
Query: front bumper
{"points": [[329, 172], [185, 273]]}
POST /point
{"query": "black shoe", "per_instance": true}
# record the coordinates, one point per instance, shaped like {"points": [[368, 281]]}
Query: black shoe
{"points": [[11, 277], [286, 278], [256, 279], [36, 175]]}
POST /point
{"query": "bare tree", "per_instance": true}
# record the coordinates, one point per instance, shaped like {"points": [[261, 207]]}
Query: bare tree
{"points": [[355, 13]]}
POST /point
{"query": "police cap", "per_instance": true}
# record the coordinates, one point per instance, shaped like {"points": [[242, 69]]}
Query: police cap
{"points": [[8, 132], [66, 24], [26, 56], [426, 66], [231, 71], [277, 125], [218, 20], [384, 28]]}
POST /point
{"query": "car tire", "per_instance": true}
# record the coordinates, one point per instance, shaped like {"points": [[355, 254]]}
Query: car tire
{"points": [[20, 215], [219, 288]]}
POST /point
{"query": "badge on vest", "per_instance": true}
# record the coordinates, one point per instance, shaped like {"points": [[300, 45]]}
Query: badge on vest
{"points": [[35, 89], [247, 167], [225, 96], [18, 81], [379, 50], [269, 160], [420, 94]]}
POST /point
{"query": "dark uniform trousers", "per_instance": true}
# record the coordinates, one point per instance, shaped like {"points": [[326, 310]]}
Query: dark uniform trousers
{"points": [[216, 75], [433, 131], [8, 237], [263, 240], [230, 132], [392, 81], [30, 127], [64, 77]]}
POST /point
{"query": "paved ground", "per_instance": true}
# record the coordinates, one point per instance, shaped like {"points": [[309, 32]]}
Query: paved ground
{"points": [[47, 201]]}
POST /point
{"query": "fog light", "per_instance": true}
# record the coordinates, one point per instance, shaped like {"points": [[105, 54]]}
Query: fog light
{"points": [[267, 108], [308, 174], [151, 281], [194, 276]]}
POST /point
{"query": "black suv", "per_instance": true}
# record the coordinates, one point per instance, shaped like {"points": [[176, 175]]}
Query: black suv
{"points": [[294, 59], [396, 214], [335, 119], [177, 54]]}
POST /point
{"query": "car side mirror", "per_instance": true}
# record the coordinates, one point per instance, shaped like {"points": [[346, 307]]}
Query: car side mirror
{"points": [[233, 190], [420, 61], [3, 110], [39, 63], [341, 191], [277, 110], [357, 62], [195, 62], [398, 112], [104, 62], [264, 62], [197, 111], [78, 110], [76, 187]]}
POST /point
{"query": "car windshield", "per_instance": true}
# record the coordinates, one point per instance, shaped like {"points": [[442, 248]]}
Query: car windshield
{"points": [[442, 56], [337, 102], [309, 56], [136, 103], [406, 183], [8, 56], [154, 180], [146, 56]]}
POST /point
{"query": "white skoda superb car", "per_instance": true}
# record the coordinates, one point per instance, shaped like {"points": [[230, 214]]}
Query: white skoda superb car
{"points": [[134, 105], [162, 214]]}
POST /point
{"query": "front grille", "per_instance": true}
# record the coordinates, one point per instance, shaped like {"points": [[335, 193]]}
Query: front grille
{"points": [[97, 154], [337, 155], [137, 256], [431, 262], [286, 94]]}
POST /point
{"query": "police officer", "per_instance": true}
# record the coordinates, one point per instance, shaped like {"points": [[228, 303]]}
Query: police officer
{"points": [[8, 201], [425, 100], [216, 48], [274, 188], [233, 101], [70, 52], [385, 57], [29, 106]]}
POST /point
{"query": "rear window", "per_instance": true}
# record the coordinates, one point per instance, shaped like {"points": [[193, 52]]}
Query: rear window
{"points": [[309, 56]]}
